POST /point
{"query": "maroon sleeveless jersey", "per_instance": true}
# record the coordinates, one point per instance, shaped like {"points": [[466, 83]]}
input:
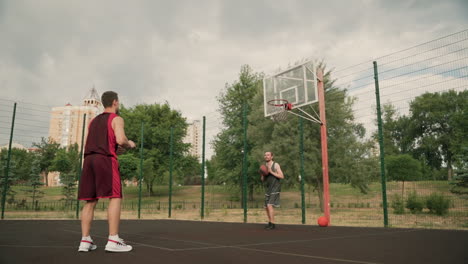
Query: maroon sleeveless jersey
{"points": [[100, 177], [101, 138]]}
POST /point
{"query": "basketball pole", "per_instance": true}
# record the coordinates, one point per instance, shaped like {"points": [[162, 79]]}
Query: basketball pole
{"points": [[323, 136]]}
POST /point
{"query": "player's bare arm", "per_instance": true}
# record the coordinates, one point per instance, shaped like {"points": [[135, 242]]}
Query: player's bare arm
{"points": [[279, 173], [118, 126]]}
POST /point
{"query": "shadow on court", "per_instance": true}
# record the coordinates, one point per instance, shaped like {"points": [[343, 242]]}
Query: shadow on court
{"points": [[171, 241]]}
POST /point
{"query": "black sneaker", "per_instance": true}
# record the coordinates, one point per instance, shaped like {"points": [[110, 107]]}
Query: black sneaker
{"points": [[273, 226], [268, 226]]}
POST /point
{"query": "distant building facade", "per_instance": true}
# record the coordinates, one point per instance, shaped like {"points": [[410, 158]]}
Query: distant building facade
{"points": [[193, 138], [66, 122]]}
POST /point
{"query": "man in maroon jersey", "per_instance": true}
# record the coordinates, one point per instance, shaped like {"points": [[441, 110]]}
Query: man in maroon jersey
{"points": [[100, 177]]}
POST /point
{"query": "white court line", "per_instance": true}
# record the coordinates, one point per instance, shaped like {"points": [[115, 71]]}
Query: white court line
{"points": [[296, 241], [306, 256], [170, 239]]}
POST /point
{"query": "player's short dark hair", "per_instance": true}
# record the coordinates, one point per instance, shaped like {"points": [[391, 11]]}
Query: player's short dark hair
{"points": [[270, 153], [108, 98]]}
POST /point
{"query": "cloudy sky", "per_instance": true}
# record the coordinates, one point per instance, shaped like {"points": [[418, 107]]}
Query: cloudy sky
{"points": [[183, 52]]}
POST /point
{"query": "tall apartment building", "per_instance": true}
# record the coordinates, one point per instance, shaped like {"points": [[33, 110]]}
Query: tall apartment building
{"points": [[193, 138], [66, 122]]}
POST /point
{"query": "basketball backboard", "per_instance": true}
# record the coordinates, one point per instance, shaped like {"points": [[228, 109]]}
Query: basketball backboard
{"points": [[297, 85]]}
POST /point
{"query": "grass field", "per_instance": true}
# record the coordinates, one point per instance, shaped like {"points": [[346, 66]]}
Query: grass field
{"points": [[349, 207]]}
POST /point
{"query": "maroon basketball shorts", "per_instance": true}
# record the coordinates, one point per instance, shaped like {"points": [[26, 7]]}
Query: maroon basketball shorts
{"points": [[100, 178]]}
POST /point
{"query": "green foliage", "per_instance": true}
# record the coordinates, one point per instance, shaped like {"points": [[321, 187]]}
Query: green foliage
{"points": [[228, 144], [460, 186], [67, 162], [434, 132], [68, 179], [22, 160], [158, 120], [438, 204], [398, 205], [414, 203], [149, 175], [128, 166], [61, 162], [34, 182], [395, 131], [403, 168], [47, 150], [439, 127], [10, 193], [187, 170]]}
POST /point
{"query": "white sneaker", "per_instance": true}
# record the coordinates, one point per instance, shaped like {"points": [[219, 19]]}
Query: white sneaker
{"points": [[117, 246], [86, 245]]}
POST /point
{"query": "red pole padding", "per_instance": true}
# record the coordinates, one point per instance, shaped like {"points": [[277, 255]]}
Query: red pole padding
{"points": [[323, 135]]}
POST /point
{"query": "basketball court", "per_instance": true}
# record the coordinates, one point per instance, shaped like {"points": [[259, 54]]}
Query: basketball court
{"points": [[172, 241]]}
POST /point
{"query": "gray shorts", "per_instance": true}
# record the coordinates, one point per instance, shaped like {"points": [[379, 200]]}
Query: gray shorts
{"points": [[272, 199]]}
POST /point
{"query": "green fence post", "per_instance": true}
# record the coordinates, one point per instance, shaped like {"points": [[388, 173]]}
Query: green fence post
{"points": [[381, 144], [301, 152], [170, 172], [202, 212], [244, 164], [79, 166], [7, 169], [140, 179]]}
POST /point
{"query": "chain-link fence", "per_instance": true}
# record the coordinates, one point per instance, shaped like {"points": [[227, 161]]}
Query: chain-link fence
{"points": [[206, 167]]}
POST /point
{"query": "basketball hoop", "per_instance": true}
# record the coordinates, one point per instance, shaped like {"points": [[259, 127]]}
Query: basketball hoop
{"points": [[283, 106]]}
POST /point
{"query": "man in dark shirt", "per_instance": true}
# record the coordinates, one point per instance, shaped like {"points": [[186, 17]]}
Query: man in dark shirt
{"points": [[272, 183]]}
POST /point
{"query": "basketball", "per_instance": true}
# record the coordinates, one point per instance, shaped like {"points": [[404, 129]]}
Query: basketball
{"points": [[263, 170], [322, 221]]}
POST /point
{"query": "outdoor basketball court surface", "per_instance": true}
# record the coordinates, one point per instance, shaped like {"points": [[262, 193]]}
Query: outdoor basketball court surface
{"points": [[172, 241]]}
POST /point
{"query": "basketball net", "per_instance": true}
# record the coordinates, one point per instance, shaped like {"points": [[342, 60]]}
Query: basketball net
{"points": [[283, 107]]}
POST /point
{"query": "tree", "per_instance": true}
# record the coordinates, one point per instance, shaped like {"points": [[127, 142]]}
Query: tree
{"points": [[34, 182], [149, 175], [403, 168], [10, 193], [128, 166], [23, 159], [229, 143], [61, 162], [66, 162], [158, 120], [396, 137], [47, 149], [439, 127], [460, 186], [187, 170]]}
